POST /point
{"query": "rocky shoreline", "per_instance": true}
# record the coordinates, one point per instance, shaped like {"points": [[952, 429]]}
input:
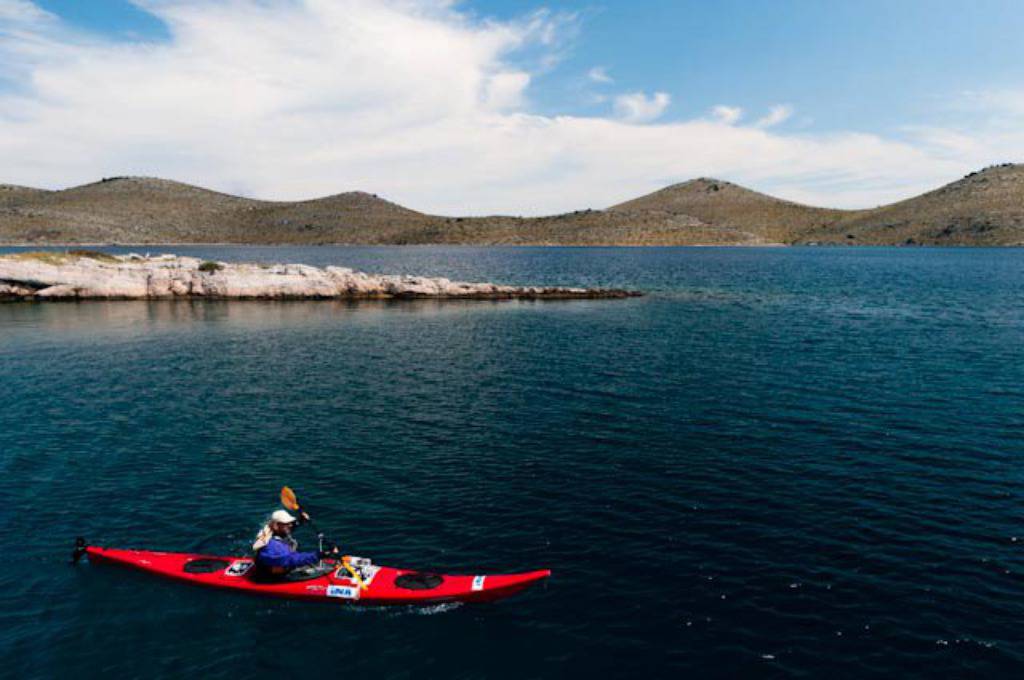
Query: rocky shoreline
{"points": [[85, 275]]}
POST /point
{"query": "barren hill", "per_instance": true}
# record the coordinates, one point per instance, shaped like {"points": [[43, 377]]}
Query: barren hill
{"points": [[351, 217], [128, 209], [984, 208], [148, 210], [12, 193], [726, 204]]}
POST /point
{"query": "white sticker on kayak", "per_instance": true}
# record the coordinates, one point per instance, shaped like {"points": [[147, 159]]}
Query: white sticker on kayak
{"points": [[478, 582], [238, 568], [344, 592]]}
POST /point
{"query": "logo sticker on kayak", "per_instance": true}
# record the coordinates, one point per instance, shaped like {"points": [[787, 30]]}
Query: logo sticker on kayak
{"points": [[478, 582], [344, 592], [238, 568]]}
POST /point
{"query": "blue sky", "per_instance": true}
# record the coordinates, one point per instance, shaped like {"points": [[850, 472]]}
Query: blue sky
{"points": [[888, 98], [119, 18], [869, 64]]}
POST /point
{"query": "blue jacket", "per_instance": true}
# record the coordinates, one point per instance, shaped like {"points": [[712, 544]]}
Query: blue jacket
{"points": [[278, 553]]}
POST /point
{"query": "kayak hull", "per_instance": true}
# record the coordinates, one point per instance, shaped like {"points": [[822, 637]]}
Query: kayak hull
{"points": [[382, 587]]}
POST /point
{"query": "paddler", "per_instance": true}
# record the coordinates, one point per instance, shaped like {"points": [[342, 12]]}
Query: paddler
{"points": [[277, 551]]}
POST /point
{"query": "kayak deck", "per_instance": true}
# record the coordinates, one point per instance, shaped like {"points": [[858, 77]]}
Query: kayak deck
{"points": [[380, 585]]}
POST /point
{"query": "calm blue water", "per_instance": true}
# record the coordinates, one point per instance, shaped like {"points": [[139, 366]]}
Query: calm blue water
{"points": [[780, 463]]}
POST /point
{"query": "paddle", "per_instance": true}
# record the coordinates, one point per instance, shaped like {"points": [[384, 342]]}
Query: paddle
{"points": [[290, 501]]}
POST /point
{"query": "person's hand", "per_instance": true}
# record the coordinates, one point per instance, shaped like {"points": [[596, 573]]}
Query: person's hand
{"points": [[303, 517]]}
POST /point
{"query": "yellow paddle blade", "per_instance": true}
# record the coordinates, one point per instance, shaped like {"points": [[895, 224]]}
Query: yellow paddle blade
{"points": [[288, 498]]}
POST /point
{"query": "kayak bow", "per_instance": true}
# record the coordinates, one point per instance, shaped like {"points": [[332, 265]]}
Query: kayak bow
{"points": [[335, 581]]}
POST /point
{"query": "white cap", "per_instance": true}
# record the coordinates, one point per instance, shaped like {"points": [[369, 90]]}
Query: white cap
{"points": [[282, 516]]}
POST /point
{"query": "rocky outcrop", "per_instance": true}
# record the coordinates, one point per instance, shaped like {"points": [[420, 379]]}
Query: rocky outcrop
{"points": [[76, 276]]}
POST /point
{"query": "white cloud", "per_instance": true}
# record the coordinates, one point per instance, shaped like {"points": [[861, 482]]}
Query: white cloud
{"points": [[637, 107], [412, 99], [506, 90], [22, 11], [776, 115], [599, 74], [727, 115]]}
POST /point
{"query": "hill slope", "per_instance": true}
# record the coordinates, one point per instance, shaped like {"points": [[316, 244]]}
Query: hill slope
{"points": [[11, 194], [726, 204], [984, 208], [121, 209], [149, 210], [146, 210]]}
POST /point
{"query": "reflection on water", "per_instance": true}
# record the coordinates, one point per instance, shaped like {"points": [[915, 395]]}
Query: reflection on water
{"points": [[143, 317]]}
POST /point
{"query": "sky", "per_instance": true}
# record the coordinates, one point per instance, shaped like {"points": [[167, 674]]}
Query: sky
{"points": [[515, 107]]}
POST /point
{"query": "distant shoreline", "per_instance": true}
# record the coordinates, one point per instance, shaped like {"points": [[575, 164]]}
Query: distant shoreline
{"points": [[984, 208], [737, 246], [400, 245]]}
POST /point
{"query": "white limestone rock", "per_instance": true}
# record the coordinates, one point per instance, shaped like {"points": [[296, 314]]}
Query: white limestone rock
{"points": [[83, 276]]}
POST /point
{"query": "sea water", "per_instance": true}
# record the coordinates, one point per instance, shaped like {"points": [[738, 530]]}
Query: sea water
{"points": [[778, 462]]}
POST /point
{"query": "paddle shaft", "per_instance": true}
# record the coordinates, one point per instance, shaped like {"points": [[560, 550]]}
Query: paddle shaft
{"points": [[291, 501]]}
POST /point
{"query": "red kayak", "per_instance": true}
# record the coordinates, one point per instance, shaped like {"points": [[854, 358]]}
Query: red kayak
{"points": [[355, 579]]}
